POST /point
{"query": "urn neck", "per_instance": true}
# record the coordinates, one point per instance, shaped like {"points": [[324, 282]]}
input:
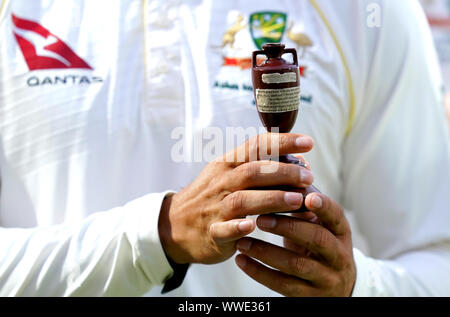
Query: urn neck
{"points": [[273, 50]]}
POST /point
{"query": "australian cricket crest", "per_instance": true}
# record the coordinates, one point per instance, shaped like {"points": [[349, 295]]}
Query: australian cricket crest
{"points": [[267, 27]]}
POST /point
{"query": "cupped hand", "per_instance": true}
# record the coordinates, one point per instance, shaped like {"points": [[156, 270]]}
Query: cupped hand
{"points": [[202, 223], [317, 258]]}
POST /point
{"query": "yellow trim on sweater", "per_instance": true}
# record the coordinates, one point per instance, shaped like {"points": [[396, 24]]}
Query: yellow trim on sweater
{"points": [[351, 91], [2, 6]]}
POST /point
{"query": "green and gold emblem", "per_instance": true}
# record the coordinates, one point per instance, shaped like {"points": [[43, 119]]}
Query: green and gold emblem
{"points": [[267, 27]]}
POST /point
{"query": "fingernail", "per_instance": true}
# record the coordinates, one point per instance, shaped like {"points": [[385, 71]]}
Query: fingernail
{"points": [[303, 141], [245, 225], [244, 244], [241, 261], [306, 177], [316, 201], [293, 199], [266, 222]]}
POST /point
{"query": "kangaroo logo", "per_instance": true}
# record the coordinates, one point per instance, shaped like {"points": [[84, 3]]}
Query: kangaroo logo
{"points": [[43, 50]]}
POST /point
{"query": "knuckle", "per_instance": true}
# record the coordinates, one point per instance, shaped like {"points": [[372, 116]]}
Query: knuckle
{"points": [[218, 164], [273, 199], [344, 261], [249, 173], [291, 289], [236, 201], [283, 141], [284, 286], [339, 262], [291, 227], [213, 230], [270, 167], [222, 185], [299, 265], [205, 214], [331, 281], [233, 228], [320, 238], [286, 171], [339, 216], [257, 250]]}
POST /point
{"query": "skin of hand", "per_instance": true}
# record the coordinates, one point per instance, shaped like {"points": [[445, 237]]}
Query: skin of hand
{"points": [[202, 222], [317, 258]]}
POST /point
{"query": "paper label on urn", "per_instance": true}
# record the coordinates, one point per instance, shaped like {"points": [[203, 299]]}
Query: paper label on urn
{"points": [[278, 100], [277, 78]]}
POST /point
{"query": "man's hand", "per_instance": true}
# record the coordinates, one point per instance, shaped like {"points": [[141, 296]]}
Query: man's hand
{"points": [[202, 223], [317, 259]]}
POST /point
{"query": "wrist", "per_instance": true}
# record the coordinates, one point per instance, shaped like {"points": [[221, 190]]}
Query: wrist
{"points": [[166, 232]]}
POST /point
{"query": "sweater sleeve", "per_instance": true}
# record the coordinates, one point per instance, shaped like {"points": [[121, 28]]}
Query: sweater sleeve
{"points": [[111, 253]]}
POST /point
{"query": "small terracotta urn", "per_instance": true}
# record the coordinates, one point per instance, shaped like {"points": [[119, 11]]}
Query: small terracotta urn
{"points": [[276, 87]]}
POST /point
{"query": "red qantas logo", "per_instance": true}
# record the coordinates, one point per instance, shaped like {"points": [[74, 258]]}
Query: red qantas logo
{"points": [[42, 49]]}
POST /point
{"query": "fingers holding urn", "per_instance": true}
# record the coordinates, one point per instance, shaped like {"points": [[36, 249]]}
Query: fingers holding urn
{"points": [[224, 232], [270, 173], [267, 144], [328, 271], [253, 202], [313, 237], [275, 280], [284, 260], [201, 223], [291, 274]]}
